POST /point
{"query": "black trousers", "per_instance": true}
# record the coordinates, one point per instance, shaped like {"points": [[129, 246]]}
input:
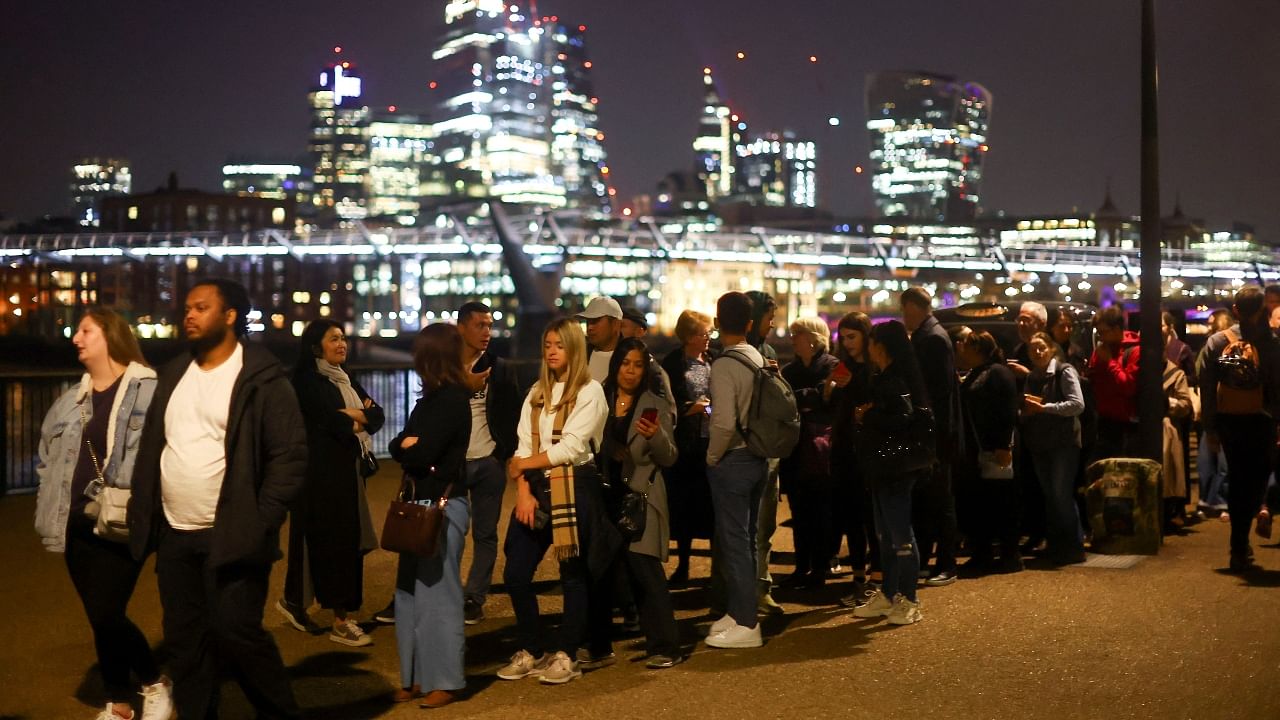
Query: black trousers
{"points": [[213, 619], [811, 498], [1249, 444], [648, 587], [995, 504], [934, 518], [104, 574]]}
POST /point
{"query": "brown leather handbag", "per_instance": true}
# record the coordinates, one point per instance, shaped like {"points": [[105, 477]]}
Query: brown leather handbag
{"points": [[412, 527]]}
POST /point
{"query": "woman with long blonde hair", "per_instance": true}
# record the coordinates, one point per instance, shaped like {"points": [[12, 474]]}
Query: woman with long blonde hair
{"points": [[559, 503]]}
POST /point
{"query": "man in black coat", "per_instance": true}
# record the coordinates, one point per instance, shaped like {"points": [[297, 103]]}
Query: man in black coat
{"points": [[934, 506], [221, 458], [495, 413]]}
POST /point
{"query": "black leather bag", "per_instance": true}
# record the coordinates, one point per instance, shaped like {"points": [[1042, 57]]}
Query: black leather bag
{"points": [[885, 454], [412, 527], [631, 513], [368, 464]]}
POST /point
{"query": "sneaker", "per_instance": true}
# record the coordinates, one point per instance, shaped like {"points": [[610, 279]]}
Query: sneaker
{"points": [[769, 606], [560, 670], [472, 612], [944, 578], [736, 636], [295, 616], [109, 714], [855, 598], [157, 700], [904, 612], [1263, 527], [349, 633], [721, 625], [662, 662], [1242, 564], [387, 615], [877, 605], [587, 661], [1225, 517], [524, 665]]}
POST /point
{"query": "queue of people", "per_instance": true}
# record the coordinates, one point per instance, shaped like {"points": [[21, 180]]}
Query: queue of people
{"points": [[905, 443]]}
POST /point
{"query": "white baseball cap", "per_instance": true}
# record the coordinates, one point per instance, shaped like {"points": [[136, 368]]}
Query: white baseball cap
{"points": [[601, 307]]}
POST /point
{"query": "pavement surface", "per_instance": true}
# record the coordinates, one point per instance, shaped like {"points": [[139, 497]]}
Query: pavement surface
{"points": [[1174, 636]]}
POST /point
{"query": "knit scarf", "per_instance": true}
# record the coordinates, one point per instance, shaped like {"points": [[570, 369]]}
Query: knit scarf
{"points": [[564, 506], [350, 398]]}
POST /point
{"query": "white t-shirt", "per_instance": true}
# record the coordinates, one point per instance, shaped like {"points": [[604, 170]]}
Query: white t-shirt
{"points": [[598, 365], [482, 444], [194, 461]]}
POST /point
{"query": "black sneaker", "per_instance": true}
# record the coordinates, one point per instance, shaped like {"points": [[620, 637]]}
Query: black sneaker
{"points": [[662, 662], [387, 615], [1243, 564], [296, 616], [946, 577], [472, 612]]}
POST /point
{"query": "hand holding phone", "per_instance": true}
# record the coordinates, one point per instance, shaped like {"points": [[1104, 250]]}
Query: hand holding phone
{"points": [[650, 415]]}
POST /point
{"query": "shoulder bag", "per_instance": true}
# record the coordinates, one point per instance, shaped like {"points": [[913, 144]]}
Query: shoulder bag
{"points": [[413, 527], [110, 504]]}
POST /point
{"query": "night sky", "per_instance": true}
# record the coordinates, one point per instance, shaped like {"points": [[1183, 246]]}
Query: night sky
{"points": [[185, 85]]}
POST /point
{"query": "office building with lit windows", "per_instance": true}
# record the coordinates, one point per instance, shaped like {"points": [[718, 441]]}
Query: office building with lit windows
{"points": [[338, 149], [714, 142], [928, 138], [93, 179], [577, 145], [401, 157], [777, 170], [275, 181]]}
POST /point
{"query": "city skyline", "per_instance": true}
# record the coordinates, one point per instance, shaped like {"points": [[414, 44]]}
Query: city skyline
{"points": [[1069, 102]]}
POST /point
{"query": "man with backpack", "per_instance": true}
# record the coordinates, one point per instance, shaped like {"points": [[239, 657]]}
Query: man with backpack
{"points": [[746, 428], [1239, 394]]}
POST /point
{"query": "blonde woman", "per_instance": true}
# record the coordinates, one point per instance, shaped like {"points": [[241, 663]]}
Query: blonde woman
{"points": [[559, 504]]}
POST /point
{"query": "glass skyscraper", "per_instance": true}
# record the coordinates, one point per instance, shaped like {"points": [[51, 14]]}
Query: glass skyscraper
{"points": [[338, 149], [714, 143], [928, 138], [93, 179], [777, 170]]}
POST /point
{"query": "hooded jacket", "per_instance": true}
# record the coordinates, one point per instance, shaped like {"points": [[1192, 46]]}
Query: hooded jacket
{"points": [[266, 447]]}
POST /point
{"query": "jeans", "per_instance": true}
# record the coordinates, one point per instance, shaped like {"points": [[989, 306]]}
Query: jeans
{"points": [[430, 634], [899, 556], [1056, 471], [766, 526], [1247, 441], [104, 575], [1213, 476], [935, 518], [737, 484], [488, 481]]}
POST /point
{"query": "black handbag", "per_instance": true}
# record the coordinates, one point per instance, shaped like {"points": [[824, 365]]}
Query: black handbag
{"points": [[886, 454], [631, 513], [368, 464]]}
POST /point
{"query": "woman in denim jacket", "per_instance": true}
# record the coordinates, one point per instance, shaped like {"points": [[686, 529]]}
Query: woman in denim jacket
{"points": [[89, 439]]}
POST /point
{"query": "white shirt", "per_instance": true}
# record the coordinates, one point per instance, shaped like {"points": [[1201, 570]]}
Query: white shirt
{"points": [[482, 444], [194, 461], [598, 365], [584, 426]]}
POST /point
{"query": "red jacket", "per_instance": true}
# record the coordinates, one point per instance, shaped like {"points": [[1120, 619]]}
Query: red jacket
{"points": [[1115, 383]]}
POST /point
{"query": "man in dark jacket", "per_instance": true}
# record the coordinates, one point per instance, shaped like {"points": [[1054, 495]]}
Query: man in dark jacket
{"points": [[934, 504], [221, 458], [495, 412]]}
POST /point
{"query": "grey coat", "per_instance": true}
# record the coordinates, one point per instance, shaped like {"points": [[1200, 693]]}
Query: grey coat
{"points": [[643, 471]]}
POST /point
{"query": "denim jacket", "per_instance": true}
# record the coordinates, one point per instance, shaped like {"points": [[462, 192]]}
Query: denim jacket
{"points": [[60, 446]]}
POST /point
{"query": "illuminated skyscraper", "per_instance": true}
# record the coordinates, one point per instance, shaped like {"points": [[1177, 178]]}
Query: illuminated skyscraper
{"points": [[93, 179], [714, 143], [401, 152], [339, 149], [928, 139], [778, 170], [577, 145]]}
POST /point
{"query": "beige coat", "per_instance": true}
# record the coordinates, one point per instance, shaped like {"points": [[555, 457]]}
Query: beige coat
{"points": [[1178, 393]]}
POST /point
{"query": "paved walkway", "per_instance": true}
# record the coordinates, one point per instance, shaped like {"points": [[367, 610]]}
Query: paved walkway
{"points": [[1172, 637]]}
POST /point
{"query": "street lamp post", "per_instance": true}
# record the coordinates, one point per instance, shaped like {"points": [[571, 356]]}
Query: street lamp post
{"points": [[1151, 400]]}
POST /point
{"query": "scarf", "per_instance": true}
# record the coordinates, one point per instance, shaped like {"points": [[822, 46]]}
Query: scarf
{"points": [[350, 398], [564, 506]]}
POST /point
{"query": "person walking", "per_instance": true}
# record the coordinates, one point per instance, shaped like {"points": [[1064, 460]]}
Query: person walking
{"points": [[88, 441], [330, 528], [432, 448], [850, 386], [222, 457], [559, 503]]}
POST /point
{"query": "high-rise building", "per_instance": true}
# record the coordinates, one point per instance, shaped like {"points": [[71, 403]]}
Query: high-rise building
{"points": [[577, 145], [401, 155], [714, 143], [93, 179], [777, 170], [338, 149], [928, 138]]}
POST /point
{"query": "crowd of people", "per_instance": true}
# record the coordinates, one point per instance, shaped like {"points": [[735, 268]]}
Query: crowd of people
{"points": [[907, 444]]}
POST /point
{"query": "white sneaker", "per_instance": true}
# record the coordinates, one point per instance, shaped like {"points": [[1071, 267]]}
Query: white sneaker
{"points": [[108, 714], [736, 637], [721, 625], [524, 665], [876, 606], [561, 670], [904, 611], [349, 633], [157, 700]]}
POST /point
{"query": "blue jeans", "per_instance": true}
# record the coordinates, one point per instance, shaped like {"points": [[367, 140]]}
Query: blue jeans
{"points": [[899, 556], [1213, 476], [430, 635], [737, 484], [1056, 471]]}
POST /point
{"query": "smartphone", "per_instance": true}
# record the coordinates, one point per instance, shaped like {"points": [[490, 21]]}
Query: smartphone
{"points": [[841, 370], [649, 415]]}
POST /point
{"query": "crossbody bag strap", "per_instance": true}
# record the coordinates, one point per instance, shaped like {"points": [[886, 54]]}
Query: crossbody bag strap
{"points": [[93, 454]]}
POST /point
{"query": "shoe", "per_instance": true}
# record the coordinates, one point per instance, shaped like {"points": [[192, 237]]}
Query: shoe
{"points": [[524, 665], [110, 714], [1243, 564], [587, 661], [157, 700], [796, 579], [1263, 527], [472, 612], [1068, 558], [904, 612], [737, 637], [923, 574], [296, 616], [662, 662], [404, 695], [724, 623], [387, 615], [769, 606], [560, 670], [437, 699], [942, 579], [876, 605], [1225, 516], [1011, 564], [350, 634], [1032, 546], [680, 576], [856, 598]]}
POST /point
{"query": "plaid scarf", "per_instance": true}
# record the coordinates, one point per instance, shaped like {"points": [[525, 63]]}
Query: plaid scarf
{"points": [[564, 506]]}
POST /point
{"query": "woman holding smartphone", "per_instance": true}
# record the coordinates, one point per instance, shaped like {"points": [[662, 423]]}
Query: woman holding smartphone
{"points": [[638, 445], [559, 503]]}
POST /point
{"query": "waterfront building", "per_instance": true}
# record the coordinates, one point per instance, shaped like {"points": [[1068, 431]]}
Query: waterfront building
{"points": [[338, 148], [93, 179], [928, 140], [174, 209]]}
